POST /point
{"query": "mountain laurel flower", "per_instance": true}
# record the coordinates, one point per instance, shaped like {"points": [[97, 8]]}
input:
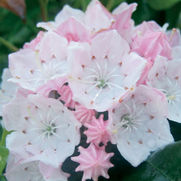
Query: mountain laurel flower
{"points": [[98, 131], [103, 75], [41, 123], [139, 124], [94, 162], [166, 76]]}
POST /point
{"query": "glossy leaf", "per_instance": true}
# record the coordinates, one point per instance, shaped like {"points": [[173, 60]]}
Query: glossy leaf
{"points": [[162, 4], [164, 165], [16, 6]]}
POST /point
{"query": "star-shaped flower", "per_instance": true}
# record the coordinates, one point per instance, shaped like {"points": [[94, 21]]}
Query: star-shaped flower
{"points": [[98, 131], [94, 162]]}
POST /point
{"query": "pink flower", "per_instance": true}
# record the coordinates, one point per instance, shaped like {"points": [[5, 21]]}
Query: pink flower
{"points": [[66, 96], [150, 41], [35, 42], [73, 30], [94, 162], [98, 131], [83, 114], [123, 22]]}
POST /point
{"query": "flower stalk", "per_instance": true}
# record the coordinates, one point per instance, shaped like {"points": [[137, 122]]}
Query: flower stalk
{"points": [[8, 44]]}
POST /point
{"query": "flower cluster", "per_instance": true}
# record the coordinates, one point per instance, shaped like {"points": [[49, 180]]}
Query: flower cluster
{"points": [[81, 65]]}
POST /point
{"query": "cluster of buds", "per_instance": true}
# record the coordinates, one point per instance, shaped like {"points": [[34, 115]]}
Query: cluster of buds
{"points": [[80, 67]]}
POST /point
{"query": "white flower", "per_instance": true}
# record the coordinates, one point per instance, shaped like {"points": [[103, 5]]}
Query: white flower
{"points": [[8, 89], [166, 76], [139, 124], [43, 127]]}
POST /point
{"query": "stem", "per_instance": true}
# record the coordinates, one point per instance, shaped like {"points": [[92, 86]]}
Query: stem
{"points": [[43, 7], [3, 138], [8, 44]]}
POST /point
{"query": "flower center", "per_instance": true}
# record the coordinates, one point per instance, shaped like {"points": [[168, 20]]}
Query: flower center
{"points": [[50, 130], [126, 120], [102, 83]]}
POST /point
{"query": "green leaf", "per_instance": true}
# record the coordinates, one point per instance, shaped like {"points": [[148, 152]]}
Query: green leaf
{"points": [[164, 165], [3, 158], [162, 4], [2, 178]]}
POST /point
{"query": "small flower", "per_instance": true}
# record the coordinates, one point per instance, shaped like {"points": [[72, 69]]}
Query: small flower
{"points": [[150, 40], [83, 114], [66, 96], [98, 131], [94, 162]]}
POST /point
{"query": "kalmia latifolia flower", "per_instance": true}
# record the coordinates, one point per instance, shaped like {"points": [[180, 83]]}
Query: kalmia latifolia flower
{"points": [[98, 131], [94, 162], [139, 124], [83, 66]]}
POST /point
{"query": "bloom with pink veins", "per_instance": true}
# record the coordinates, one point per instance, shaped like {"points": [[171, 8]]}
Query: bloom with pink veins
{"points": [[103, 72], [83, 114], [166, 76], [32, 69], [139, 124], [98, 131], [94, 162]]}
